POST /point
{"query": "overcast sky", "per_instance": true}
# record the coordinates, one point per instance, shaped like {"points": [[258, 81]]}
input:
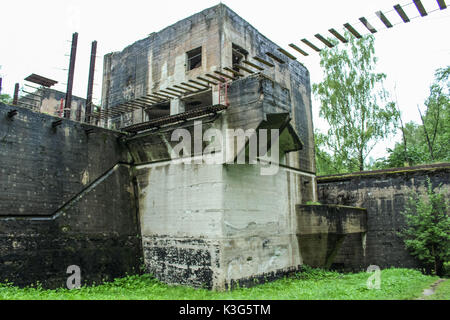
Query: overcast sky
{"points": [[35, 37]]}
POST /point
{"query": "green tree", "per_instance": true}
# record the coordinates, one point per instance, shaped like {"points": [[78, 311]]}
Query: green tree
{"points": [[436, 122], [428, 142], [427, 232], [326, 164], [354, 102], [5, 98]]}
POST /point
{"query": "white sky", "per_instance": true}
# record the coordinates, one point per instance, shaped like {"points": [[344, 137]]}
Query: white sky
{"points": [[35, 38]]}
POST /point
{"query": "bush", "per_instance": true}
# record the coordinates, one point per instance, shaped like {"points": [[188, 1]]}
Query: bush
{"points": [[427, 232]]}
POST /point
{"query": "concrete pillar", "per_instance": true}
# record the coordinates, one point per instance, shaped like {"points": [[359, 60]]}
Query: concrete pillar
{"points": [[215, 95], [176, 106]]}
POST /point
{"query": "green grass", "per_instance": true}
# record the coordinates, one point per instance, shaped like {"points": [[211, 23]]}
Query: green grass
{"points": [[442, 292], [398, 284]]}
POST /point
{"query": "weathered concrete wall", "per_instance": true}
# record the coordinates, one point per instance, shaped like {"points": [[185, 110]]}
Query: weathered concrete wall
{"points": [[159, 61], [214, 225], [48, 101], [43, 167], [66, 198], [321, 230], [291, 75], [383, 194]]}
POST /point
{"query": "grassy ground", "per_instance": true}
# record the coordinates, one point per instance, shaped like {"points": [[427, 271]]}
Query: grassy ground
{"points": [[397, 284], [442, 292]]}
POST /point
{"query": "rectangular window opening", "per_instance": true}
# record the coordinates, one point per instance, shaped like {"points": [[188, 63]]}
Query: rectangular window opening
{"points": [[158, 111], [194, 59], [197, 101], [239, 54]]}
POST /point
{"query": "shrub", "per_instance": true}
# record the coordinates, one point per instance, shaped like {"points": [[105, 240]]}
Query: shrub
{"points": [[427, 232]]}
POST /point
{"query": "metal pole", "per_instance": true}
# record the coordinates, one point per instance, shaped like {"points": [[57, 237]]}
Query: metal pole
{"points": [[73, 54], [16, 95], [0, 85], [61, 108], [90, 83]]}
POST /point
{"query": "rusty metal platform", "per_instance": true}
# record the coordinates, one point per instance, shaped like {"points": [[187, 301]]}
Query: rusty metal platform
{"points": [[156, 123]]}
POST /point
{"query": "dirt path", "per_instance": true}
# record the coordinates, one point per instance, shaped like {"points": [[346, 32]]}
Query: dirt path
{"points": [[429, 292]]}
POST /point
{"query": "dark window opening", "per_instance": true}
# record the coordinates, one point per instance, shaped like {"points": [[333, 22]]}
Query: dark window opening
{"points": [[194, 59], [200, 100], [239, 54], [158, 111]]}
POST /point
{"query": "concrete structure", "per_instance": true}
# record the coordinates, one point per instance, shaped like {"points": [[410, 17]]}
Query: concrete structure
{"points": [[48, 101], [113, 201], [384, 194], [224, 40], [214, 225], [66, 198]]}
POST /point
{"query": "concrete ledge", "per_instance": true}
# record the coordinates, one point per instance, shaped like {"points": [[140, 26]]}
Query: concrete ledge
{"points": [[321, 230], [393, 171], [317, 219]]}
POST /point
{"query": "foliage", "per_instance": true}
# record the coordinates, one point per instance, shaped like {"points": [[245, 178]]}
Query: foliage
{"points": [[354, 103], [426, 143], [427, 232], [5, 98], [312, 284]]}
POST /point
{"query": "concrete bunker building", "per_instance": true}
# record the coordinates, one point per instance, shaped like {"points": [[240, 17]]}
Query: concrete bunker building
{"points": [[215, 223], [111, 201]]}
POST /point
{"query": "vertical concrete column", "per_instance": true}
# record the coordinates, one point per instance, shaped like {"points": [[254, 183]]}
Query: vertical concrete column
{"points": [[215, 95], [176, 106]]}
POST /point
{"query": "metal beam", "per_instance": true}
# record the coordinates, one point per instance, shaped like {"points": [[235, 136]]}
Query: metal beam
{"points": [[225, 75], [274, 57], [156, 96], [73, 55], [401, 13], [383, 19], [420, 7], [170, 93], [90, 89], [215, 78], [253, 65], [33, 94], [187, 90], [207, 81], [244, 68], [442, 4], [161, 95], [338, 35], [366, 23], [293, 46], [200, 84], [267, 63], [191, 86], [177, 91], [16, 94], [324, 41], [147, 99], [236, 73], [27, 85], [287, 54], [309, 44], [352, 30]]}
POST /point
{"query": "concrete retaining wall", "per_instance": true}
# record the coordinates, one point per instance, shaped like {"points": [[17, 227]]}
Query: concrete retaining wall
{"points": [[384, 194], [66, 198]]}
